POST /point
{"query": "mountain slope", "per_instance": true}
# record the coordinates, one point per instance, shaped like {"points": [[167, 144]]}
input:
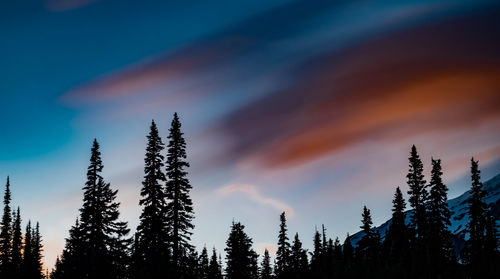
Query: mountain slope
{"points": [[459, 216]]}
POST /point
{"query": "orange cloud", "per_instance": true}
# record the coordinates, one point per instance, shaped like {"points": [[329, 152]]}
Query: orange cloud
{"points": [[435, 78]]}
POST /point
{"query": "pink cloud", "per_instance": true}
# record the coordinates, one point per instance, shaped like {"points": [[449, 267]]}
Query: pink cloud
{"points": [[253, 194]]}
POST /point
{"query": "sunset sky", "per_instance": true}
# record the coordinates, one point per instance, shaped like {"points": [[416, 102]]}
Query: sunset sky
{"points": [[308, 107]]}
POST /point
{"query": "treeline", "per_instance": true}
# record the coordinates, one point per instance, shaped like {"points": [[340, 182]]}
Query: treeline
{"points": [[20, 256], [98, 245]]}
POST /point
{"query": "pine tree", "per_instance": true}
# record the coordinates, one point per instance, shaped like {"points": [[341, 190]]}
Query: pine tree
{"points": [[240, 257], [214, 268], [17, 243], [179, 209], [367, 246], [418, 194], [37, 272], [266, 271], [98, 245], [151, 251], [474, 253], [204, 264], [6, 235], [440, 238], [396, 242], [299, 261], [283, 253]]}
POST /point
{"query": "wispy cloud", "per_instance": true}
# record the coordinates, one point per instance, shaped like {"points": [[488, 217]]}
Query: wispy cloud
{"points": [[252, 193]]}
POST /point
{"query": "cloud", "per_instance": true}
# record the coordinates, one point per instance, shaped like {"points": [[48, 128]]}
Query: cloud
{"points": [[432, 78], [254, 195], [262, 246]]}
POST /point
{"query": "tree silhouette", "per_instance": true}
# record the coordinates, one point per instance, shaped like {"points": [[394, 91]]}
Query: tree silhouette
{"points": [[282, 265], [98, 242], [240, 257], [17, 244], [418, 194], [298, 260], [266, 271], [6, 234], [151, 251], [214, 267], [396, 243], [179, 210], [440, 241], [474, 253]]}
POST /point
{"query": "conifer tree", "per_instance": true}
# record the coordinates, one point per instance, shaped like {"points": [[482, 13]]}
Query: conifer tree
{"points": [[299, 261], [474, 253], [266, 271], [151, 251], [418, 194], [214, 268], [440, 238], [396, 242], [179, 209], [283, 253], [204, 264], [37, 271], [17, 243], [240, 257], [6, 235], [28, 258], [98, 244]]}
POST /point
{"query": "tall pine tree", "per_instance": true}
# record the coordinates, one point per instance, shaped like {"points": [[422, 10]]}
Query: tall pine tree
{"points": [[101, 249], [440, 238], [283, 253], [17, 243], [418, 194], [6, 235], [179, 209], [151, 252], [474, 252]]}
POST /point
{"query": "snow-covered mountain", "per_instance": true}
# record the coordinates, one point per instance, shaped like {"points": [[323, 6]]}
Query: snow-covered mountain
{"points": [[459, 216]]}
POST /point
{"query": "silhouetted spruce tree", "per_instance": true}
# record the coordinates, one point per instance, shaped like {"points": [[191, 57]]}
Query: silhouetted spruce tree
{"points": [[418, 194], [179, 209], [396, 244], [151, 251], [6, 235], [204, 264], [474, 252], [37, 272], [440, 238], [367, 251], [214, 268], [98, 245], [28, 258], [491, 246], [266, 271], [282, 265], [299, 262], [17, 244], [316, 255], [240, 257]]}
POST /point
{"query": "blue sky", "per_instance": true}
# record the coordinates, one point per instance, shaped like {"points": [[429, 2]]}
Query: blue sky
{"points": [[308, 107]]}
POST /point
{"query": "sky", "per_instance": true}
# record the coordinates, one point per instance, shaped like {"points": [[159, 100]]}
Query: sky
{"points": [[307, 107]]}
